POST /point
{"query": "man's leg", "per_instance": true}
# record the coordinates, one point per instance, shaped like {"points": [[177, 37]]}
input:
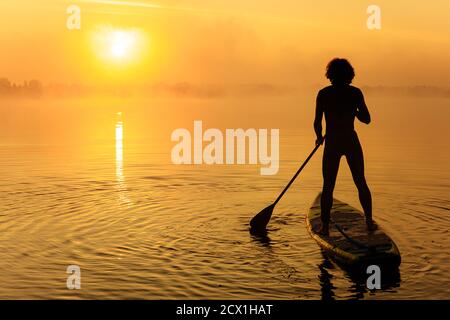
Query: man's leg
{"points": [[330, 167], [355, 160]]}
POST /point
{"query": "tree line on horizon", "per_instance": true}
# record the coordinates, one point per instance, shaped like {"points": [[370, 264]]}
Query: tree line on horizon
{"points": [[32, 88], [35, 89]]}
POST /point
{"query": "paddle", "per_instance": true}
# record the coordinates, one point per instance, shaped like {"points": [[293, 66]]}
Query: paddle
{"points": [[260, 221]]}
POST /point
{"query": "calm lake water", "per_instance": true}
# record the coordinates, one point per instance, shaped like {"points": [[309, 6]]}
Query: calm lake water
{"points": [[141, 227]]}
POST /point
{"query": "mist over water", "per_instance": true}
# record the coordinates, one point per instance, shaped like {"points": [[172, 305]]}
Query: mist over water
{"points": [[81, 185]]}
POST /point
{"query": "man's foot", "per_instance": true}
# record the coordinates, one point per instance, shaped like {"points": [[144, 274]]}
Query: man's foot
{"points": [[371, 226], [323, 230]]}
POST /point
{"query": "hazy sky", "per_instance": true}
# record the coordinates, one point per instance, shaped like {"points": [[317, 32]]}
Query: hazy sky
{"points": [[225, 41]]}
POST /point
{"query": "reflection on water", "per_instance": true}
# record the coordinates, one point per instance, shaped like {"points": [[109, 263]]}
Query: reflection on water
{"points": [[390, 279], [325, 280], [121, 187], [331, 275]]}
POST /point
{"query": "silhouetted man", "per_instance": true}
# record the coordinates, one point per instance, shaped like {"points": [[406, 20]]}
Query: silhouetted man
{"points": [[341, 103]]}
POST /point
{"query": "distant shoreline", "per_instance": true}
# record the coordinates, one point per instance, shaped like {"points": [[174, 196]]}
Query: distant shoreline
{"points": [[35, 89]]}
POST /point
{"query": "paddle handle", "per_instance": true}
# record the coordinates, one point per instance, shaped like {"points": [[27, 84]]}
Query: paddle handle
{"points": [[297, 173]]}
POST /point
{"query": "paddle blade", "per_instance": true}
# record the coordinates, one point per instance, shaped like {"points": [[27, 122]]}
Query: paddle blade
{"points": [[260, 221]]}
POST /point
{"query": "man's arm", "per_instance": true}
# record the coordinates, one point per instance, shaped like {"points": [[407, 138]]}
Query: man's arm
{"points": [[362, 113], [318, 119]]}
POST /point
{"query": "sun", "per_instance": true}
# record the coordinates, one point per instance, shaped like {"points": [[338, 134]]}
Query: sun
{"points": [[121, 44], [118, 46]]}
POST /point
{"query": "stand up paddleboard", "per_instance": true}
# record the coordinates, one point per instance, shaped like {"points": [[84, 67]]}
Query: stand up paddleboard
{"points": [[349, 241]]}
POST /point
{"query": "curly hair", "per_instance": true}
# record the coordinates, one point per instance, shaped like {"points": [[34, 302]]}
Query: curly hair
{"points": [[340, 71]]}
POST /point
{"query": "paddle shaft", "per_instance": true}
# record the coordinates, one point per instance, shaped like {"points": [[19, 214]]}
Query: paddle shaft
{"points": [[296, 174]]}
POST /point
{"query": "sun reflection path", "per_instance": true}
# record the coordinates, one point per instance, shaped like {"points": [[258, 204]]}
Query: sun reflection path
{"points": [[121, 186]]}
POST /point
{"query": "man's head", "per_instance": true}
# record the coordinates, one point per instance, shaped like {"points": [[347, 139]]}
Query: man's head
{"points": [[340, 71]]}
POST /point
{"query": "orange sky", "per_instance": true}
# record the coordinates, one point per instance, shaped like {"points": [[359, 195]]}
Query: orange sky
{"points": [[282, 42]]}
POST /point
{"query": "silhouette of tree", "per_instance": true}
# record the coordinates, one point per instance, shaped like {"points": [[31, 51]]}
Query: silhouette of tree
{"points": [[33, 88], [5, 86]]}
